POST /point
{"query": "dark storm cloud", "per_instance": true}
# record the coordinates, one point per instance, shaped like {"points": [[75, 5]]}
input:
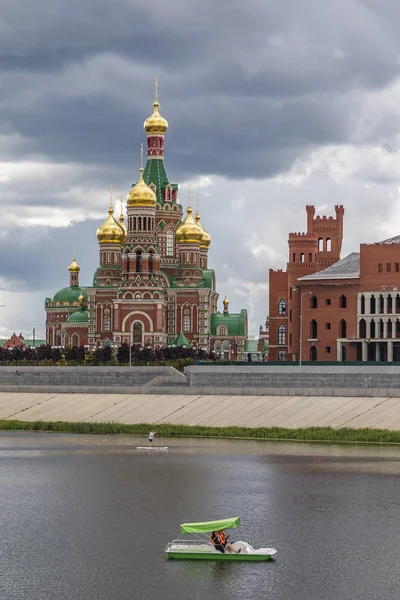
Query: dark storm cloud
{"points": [[246, 86]]}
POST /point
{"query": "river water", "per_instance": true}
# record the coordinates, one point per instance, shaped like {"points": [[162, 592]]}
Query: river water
{"points": [[88, 518]]}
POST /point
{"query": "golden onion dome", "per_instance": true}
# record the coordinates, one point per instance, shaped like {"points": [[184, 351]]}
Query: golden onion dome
{"points": [[74, 267], [206, 240], [110, 232], [155, 124], [189, 232], [141, 194]]}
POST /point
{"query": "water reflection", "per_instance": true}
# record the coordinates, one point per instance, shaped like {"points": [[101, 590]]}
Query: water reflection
{"points": [[88, 517]]}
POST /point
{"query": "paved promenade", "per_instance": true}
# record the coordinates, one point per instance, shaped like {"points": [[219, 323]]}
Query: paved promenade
{"points": [[209, 410]]}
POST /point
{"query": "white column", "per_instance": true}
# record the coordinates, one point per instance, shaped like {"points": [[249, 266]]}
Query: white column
{"points": [[338, 350], [364, 351], [385, 329], [390, 351]]}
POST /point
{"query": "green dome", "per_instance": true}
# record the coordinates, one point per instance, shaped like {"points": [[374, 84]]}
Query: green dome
{"points": [[70, 294], [79, 316]]}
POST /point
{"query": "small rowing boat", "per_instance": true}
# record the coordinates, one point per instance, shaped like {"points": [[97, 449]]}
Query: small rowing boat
{"points": [[201, 548]]}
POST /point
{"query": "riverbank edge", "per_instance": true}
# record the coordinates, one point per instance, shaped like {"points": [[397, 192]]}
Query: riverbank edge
{"points": [[278, 434]]}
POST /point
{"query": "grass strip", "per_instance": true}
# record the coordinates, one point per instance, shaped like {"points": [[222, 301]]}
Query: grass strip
{"points": [[308, 434]]}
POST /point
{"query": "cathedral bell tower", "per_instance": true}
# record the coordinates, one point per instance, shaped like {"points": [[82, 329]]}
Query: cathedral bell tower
{"points": [[141, 256]]}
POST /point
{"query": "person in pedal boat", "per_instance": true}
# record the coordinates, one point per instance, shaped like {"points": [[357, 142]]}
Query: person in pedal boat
{"points": [[152, 435], [220, 541]]}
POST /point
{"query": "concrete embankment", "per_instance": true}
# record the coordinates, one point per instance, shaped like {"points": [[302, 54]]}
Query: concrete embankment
{"points": [[207, 410], [239, 380]]}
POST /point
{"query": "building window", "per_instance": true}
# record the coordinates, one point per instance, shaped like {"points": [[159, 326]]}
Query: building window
{"points": [[282, 335], [327, 349], [302, 257], [186, 322], [328, 301], [372, 305], [362, 326], [290, 339], [328, 244], [327, 325], [313, 353], [397, 267], [380, 267], [313, 329], [282, 355], [363, 304], [138, 261], [75, 340], [388, 267], [170, 243], [202, 323], [320, 244], [107, 323], [342, 328], [290, 315], [313, 302], [281, 307], [91, 322], [343, 301], [222, 331]]}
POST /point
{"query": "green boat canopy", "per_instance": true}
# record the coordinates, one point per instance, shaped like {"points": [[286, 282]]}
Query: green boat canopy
{"points": [[209, 526]]}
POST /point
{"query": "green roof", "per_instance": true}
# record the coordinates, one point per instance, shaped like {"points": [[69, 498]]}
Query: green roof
{"points": [[156, 173], [70, 294], [236, 323], [181, 340], [208, 278], [78, 316]]}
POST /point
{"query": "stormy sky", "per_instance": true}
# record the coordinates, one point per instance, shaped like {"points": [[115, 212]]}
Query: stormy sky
{"points": [[271, 106]]}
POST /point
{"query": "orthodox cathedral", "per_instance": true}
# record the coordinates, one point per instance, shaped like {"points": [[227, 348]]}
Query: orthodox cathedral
{"points": [[153, 286]]}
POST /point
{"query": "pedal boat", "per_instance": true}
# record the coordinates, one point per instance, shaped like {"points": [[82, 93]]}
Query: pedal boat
{"points": [[199, 547]]}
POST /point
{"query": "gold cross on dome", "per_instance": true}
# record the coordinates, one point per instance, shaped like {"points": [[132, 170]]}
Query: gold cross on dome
{"points": [[111, 192], [141, 156], [156, 94], [197, 202], [189, 195]]}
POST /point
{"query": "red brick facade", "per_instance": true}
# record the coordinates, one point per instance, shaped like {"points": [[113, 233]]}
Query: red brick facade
{"points": [[326, 309]]}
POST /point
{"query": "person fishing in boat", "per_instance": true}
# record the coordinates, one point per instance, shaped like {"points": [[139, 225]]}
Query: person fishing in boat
{"points": [[220, 541]]}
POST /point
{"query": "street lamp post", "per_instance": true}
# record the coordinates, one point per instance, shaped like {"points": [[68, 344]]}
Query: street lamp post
{"points": [[130, 348]]}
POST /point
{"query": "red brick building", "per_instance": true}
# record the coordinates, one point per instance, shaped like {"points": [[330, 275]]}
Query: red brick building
{"points": [[153, 281], [331, 309]]}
